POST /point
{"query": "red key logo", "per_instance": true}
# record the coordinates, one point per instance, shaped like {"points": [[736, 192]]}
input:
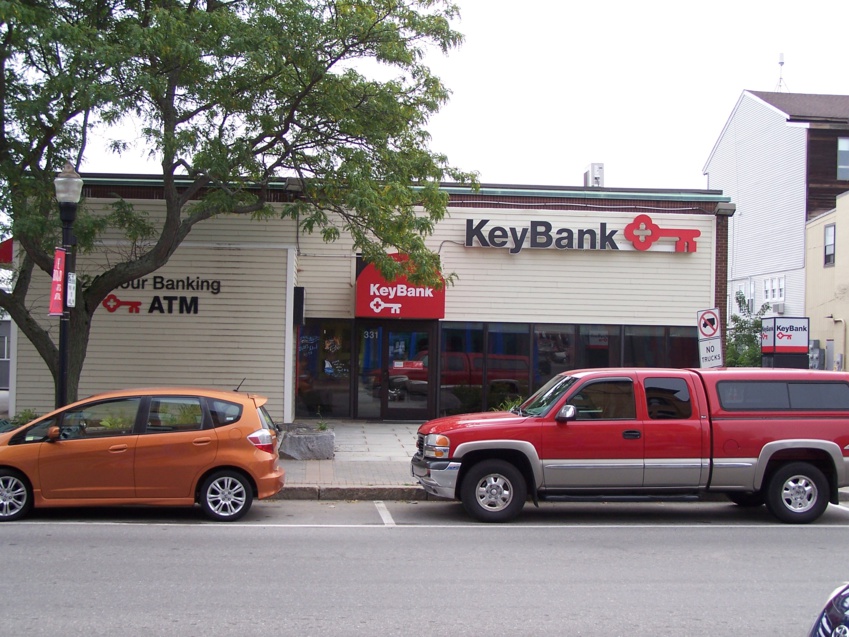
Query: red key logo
{"points": [[643, 232], [112, 303]]}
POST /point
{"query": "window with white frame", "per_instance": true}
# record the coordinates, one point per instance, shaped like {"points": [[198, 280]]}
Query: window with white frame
{"points": [[773, 289], [843, 158], [748, 292], [4, 348], [829, 245], [750, 300]]}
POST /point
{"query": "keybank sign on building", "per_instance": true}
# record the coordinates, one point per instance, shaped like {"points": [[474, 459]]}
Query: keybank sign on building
{"points": [[640, 234], [544, 280]]}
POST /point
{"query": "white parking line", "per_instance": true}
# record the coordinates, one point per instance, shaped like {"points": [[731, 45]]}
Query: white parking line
{"points": [[384, 513]]}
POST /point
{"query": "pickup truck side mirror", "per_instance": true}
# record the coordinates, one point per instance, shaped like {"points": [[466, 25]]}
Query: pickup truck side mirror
{"points": [[566, 413]]}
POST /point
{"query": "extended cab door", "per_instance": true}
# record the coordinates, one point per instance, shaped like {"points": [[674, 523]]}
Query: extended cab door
{"points": [[603, 447], [677, 436]]}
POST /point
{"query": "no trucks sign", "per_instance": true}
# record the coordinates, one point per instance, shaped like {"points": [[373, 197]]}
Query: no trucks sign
{"points": [[710, 339]]}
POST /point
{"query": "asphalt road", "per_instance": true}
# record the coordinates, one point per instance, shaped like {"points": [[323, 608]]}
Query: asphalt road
{"points": [[403, 568]]}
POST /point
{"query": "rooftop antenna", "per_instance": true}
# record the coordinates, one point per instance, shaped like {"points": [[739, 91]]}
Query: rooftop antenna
{"points": [[781, 84]]}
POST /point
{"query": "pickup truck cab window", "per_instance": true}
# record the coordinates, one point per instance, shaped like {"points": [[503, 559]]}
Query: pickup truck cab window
{"points": [[667, 398], [605, 400], [547, 396]]}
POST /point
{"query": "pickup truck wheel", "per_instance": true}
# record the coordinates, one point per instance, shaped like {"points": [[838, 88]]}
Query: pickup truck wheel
{"points": [[493, 491], [748, 500], [797, 493]]}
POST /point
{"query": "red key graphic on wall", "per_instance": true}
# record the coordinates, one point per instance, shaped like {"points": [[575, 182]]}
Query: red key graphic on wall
{"points": [[643, 232]]}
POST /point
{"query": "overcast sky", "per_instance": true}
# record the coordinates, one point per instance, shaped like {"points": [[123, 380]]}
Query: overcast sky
{"points": [[543, 88]]}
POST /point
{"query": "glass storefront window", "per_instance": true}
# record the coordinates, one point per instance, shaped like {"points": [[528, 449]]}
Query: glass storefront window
{"points": [[506, 368], [683, 348], [460, 390], [482, 366], [554, 352], [645, 346], [324, 369], [598, 346]]}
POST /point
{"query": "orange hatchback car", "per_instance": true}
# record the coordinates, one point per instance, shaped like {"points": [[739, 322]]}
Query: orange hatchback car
{"points": [[163, 447]]}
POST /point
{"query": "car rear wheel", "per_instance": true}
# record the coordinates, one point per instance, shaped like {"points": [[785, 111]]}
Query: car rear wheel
{"points": [[226, 496], [797, 493], [493, 491], [15, 496]]}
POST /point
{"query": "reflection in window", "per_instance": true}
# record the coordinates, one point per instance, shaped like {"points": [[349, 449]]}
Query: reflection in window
{"points": [[462, 344], [645, 346], [224, 412], [605, 400], [36, 433], [819, 395], [668, 398], [506, 367], [174, 413], [324, 368], [100, 420], [554, 351]]}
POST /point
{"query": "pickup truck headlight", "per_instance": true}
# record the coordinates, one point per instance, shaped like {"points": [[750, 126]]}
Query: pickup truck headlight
{"points": [[437, 446]]}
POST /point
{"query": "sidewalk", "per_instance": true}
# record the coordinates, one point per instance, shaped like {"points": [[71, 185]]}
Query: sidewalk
{"points": [[372, 462]]}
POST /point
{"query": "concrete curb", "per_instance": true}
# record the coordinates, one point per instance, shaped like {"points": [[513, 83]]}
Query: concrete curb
{"points": [[353, 492], [405, 492]]}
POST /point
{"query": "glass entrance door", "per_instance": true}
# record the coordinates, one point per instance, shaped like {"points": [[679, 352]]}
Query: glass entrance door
{"points": [[395, 380]]}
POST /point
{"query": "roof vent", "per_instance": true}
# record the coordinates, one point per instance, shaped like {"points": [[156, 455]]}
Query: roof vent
{"points": [[594, 176]]}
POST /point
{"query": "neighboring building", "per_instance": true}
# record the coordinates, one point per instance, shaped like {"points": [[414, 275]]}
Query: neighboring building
{"points": [[827, 274], [549, 279], [782, 158]]}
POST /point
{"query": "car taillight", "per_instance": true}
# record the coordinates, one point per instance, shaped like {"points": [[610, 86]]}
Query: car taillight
{"points": [[262, 440]]}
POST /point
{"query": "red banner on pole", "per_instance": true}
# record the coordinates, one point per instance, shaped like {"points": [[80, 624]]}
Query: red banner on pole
{"points": [[57, 288]]}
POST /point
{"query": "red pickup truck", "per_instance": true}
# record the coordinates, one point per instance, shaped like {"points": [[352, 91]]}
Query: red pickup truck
{"points": [[778, 437]]}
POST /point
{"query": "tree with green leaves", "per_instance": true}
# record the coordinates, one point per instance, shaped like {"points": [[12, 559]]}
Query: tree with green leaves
{"points": [[743, 340], [229, 97]]}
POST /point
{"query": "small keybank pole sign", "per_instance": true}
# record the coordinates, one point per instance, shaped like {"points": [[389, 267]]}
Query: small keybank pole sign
{"points": [[785, 335], [710, 338]]}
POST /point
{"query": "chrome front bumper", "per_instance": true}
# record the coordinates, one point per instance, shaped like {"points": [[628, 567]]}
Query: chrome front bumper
{"points": [[437, 477]]}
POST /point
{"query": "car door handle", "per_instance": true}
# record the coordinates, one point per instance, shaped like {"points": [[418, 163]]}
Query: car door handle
{"points": [[631, 434], [201, 441], [118, 448]]}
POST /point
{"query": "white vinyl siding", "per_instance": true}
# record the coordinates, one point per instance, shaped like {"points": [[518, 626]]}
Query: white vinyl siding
{"points": [[622, 286], [760, 163], [236, 334]]}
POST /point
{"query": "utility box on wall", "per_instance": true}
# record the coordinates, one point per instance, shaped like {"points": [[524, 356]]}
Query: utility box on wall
{"points": [[816, 355]]}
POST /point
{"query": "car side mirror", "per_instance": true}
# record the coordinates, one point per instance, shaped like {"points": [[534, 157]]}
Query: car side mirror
{"points": [[52, 433], [567, 412]]}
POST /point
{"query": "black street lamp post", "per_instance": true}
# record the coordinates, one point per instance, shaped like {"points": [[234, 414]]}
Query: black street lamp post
{"points": [[69, 187]]}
